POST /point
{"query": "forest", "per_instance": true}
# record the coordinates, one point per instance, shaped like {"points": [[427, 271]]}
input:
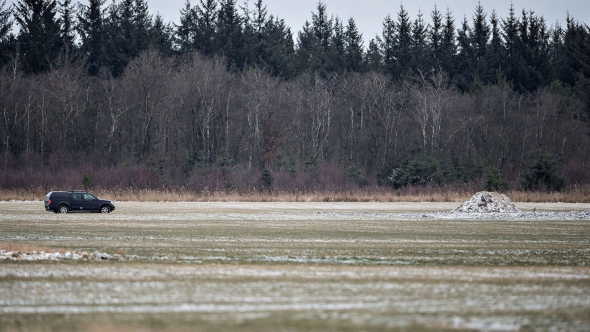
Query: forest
{"points": [[231, 99]]}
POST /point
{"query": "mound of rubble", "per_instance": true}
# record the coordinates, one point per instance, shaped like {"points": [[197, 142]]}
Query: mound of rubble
{"points": [[488, 202], [17, 255]]}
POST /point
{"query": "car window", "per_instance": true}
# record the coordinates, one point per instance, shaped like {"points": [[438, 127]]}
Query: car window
{"points": [[88, 197], [77, 197]]}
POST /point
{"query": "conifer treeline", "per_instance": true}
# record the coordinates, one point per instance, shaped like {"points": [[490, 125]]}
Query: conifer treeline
{"points": [[226, 99]]}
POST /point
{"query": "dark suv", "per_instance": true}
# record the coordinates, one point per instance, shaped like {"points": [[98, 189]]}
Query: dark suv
{"points": [[76, 201]]}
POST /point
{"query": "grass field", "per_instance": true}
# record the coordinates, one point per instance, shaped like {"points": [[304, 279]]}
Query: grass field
{"points": [[292, 267]]}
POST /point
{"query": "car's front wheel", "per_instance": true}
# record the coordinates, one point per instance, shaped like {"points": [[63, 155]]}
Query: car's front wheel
{"points": [[62, 209], [105, 209]]}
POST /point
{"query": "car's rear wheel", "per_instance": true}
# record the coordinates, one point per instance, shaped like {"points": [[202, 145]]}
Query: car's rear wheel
{"points": [[62, 209], [105, 209]]}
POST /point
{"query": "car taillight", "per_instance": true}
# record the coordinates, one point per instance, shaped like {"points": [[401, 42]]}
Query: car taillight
{"points": [[49, 202]]}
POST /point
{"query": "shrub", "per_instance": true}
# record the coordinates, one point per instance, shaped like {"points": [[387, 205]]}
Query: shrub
{"points": [[357, 175], [495, 181], [87, 182], [543, 175], [418, 170], [266, 179]]}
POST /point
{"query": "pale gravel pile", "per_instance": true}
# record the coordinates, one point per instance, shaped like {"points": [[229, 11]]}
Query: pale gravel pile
{"points": [[488, 202], [16, 255], [523, 216]]}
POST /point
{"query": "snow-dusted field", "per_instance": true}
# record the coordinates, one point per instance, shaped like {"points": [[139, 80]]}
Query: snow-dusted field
{"points": [[294, 266]]}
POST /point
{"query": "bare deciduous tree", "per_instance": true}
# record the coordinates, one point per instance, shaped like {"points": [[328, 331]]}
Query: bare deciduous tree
{"points": [[431, 96], [12, 113], [113, 99], [146, 84]]}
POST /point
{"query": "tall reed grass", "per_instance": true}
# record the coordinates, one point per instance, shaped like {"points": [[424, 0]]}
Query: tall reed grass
{"points": [[574, 194]]}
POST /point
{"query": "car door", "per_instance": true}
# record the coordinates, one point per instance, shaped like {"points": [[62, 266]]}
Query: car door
{"points": [[90, 202], [77, 202]]}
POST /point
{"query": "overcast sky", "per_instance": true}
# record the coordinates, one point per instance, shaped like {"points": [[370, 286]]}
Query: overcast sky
{"points": [[369, 14]]}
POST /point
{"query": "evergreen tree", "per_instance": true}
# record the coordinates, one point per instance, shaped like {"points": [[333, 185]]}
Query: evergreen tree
{"points": [[543, 175], [373, 59], [322, 28], [354, 48], [576, 72], [337, 54], [229, 35], [91, 31], [511, 58], [435, 35], [530, 61], [388, 45], [448, 45], [403, 42], [280, 58], [259, 27], [419, 47], [119, 43], [521, 71], [141, 26], [161, 36], [306, 49], [205, 34], [5, 20], [314, 44], [268, 42], [572, 38], [260, 19], [67, 24], [39, 37], [250, 49], [478, 39], [557, 52], [537, 54], [464, 60], [186, 29], [7, 39], [495, 49], [128, 30]]}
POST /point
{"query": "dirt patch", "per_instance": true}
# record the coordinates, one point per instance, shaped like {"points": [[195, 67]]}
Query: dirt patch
{"points": [[488, 202]]}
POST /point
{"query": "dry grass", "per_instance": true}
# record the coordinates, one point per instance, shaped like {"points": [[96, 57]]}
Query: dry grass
{"points": [[9, 246], [574, 194]]}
